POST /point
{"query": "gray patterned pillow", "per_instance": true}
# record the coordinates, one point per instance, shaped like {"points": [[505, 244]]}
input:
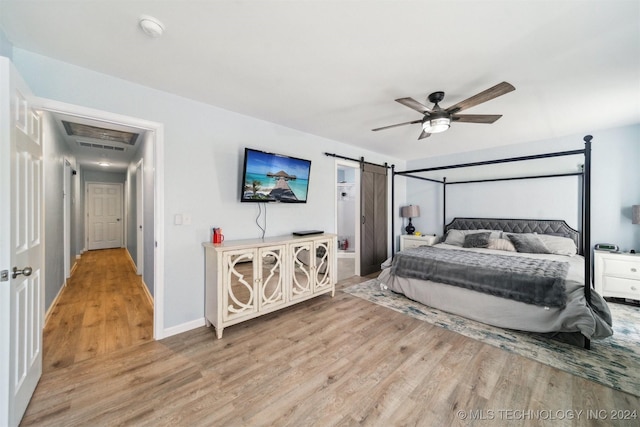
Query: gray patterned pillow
{"points": [[476, 240], [456, 237], [528, 243]]}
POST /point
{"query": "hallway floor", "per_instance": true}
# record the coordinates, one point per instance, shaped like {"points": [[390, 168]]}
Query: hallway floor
{"points": [[102, 308]]}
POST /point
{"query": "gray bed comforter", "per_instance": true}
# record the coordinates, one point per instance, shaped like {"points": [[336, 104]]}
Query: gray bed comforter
{"points": [[591, 320], [529, 280]]}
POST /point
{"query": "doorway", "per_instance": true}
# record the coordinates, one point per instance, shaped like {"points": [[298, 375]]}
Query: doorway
{"points": [[155, 137], [347, 218], [139, 208], [66, 194]]}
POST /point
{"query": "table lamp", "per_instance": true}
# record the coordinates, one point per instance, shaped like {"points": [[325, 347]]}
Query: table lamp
{"points": [[410, 211]]}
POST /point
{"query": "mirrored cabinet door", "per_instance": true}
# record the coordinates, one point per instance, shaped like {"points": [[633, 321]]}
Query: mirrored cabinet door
{"points": [[301, 267], [322, 270], [240, 296], [271, 280]]}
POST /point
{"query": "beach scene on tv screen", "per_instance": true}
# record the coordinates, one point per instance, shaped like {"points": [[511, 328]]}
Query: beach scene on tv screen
{"points": [[273, 178]]}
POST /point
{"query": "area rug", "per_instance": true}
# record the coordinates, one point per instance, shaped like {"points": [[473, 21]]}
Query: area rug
{"points": [[613, 361]]}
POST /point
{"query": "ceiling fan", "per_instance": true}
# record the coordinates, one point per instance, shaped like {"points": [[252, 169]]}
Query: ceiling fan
{"points": [[437, 120]]}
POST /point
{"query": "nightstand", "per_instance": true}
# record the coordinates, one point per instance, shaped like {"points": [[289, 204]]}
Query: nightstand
{"points": [[408, 241], [617, 274]]}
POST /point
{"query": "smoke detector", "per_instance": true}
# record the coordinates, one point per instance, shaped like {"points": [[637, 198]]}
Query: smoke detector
{"points": [[151, 26]]}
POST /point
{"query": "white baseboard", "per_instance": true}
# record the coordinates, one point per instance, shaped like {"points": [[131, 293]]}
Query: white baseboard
{"points": [[145, 288], [175, 330], [144, 285], [53, 304], [73, 268]]}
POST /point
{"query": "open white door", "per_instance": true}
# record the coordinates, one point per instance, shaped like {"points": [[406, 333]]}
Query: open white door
{"points": [[21, 246]]}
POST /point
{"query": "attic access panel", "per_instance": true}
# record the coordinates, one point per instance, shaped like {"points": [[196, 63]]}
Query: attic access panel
{"points": [[87, 131]]}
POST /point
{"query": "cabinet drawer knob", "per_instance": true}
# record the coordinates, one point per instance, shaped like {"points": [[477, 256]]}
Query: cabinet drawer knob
{"points": [[633, 288], [634, 269]]}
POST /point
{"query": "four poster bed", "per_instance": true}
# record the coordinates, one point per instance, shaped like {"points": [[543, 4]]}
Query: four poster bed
{"points": [[529, 275]]}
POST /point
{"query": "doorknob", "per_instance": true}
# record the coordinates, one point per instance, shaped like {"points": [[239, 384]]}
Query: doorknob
{"points": [[118, 219], [26, 271]]}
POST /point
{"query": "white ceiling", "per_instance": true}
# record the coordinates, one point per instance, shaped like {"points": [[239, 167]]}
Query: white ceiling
{"points": [[334, 68]]}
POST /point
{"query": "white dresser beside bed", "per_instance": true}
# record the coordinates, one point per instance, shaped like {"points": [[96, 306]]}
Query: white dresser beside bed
{"points": [[617, 274]]}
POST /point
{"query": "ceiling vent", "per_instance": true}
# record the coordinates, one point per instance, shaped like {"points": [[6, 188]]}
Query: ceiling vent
{"points": [[94, 132], [100, 146]]}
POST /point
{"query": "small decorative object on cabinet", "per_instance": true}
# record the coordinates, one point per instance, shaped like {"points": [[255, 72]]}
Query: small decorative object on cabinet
{"points": [[617, 274], [408, 241], [248, 278]]}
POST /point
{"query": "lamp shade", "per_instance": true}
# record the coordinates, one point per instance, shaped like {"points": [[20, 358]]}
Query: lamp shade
{"points": [[635, 214], [410, 211]]}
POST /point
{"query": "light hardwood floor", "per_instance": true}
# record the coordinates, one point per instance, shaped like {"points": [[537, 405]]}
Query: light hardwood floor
{"points": [[102, 308], [325, 362]]}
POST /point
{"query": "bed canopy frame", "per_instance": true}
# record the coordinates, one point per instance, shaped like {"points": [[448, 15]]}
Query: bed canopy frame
{"points": [[584, 245]]}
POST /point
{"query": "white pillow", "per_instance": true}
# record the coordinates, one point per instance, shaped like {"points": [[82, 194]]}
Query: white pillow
{"points": [[559, 245], [501, 245]]}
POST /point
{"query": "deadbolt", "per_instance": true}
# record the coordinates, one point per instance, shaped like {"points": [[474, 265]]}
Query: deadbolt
{"points": [[26, 271]]}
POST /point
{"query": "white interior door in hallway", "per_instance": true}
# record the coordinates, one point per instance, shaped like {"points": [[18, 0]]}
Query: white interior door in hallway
{"points": [[21, 246], [104, 215]]}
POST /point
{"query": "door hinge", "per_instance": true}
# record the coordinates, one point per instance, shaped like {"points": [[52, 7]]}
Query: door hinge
{"points": [[4, 275]]}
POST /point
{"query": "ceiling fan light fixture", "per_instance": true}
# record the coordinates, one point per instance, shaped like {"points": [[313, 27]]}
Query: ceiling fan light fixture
{"points": [[436, 125]]}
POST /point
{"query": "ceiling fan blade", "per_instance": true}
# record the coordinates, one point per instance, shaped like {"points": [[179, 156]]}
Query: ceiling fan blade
{"points": [[484, 96], [415, 105], [424, 135], [399, 124], [475, 118]]}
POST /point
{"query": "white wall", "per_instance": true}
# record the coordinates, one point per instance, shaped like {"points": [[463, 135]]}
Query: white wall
{"points": [[615, 188], [203, 161], [6, 48]]}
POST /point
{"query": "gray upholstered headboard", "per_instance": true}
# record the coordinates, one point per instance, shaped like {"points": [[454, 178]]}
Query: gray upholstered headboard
{"points": [[541, 226]]}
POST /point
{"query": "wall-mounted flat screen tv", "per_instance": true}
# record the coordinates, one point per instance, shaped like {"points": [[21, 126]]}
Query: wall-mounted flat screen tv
{"points": [[270, 177]]}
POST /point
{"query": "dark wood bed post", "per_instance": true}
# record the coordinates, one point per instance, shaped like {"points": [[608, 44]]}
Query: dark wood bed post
{"points": [[586, 227], [444, 205], [393, 210]]}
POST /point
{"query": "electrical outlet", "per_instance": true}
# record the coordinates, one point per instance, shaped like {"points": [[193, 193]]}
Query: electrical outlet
{"points": [[186, 219]]}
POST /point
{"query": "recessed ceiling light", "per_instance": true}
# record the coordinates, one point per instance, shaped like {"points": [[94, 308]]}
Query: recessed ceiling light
{"points": [[104, 164], [151, 26]]}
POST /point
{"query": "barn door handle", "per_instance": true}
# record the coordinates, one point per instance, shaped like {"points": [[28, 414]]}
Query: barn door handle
{"points": [[26, 271]]}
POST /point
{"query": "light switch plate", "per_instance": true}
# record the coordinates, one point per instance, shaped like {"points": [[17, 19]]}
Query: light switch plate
{"points": [[177, 220], [186, 219]]}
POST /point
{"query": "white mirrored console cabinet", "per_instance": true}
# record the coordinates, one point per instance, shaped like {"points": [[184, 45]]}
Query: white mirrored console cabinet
{"points": [[245, 279]]}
